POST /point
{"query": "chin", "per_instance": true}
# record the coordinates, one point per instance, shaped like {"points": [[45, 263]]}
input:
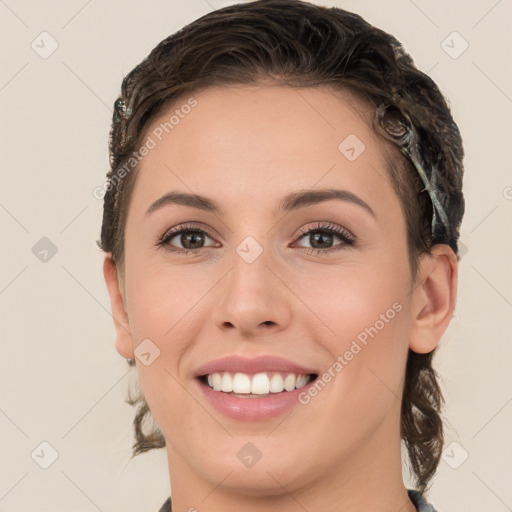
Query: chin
{"points": [[254, 465]]}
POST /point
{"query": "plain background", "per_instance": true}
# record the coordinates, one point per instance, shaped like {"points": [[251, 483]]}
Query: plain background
{"points": [[61, 380]]}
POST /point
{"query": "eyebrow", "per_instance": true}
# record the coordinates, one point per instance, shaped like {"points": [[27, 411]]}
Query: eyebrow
{"points": [[292, 201]]}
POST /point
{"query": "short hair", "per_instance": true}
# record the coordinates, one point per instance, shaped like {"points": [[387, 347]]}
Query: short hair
{"points": [[298, 44]]}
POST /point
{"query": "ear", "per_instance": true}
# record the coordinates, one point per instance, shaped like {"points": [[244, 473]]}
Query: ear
{"points": [[124, 344], [434, 298]]}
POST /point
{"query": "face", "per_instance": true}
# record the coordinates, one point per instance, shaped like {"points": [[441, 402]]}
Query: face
{"points": [[271, 281]]}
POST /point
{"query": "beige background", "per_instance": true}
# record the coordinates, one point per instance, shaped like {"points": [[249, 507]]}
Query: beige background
{"points": [[61, 380]]}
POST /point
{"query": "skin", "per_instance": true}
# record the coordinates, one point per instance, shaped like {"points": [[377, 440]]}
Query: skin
{"points": [[246, 147]]}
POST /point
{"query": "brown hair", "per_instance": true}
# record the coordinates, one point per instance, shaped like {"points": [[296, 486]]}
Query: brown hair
{"points": [[297, 44]]}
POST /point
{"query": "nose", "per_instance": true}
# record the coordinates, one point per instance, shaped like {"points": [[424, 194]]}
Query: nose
{"points": [[252, 299]]}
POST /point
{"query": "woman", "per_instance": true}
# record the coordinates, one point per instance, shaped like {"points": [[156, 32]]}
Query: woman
{"points": [[280, 226]]}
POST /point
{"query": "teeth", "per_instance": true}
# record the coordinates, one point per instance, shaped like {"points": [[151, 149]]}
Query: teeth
{"points": [[241, 383], [276, 383], [217, 381], [289, 382], [301, 381], [258, 384], [227, 383]]}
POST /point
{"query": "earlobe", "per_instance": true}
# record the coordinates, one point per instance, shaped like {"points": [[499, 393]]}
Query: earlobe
{"points": [[124, 343], [433, 298]]}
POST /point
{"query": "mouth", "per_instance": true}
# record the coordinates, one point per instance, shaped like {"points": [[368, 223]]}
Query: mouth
{"points": [[256, 385], [253, 388]]}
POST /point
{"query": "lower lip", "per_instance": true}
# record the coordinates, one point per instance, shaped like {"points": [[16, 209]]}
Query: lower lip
{"points": [[252, 409]]}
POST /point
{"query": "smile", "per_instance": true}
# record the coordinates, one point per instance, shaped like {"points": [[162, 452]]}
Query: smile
{"points": [[256, 385], [253, 388]]}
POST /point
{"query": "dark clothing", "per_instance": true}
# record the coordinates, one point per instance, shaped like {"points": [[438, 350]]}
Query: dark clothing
{"points": [[166, 507], [418, 499]]}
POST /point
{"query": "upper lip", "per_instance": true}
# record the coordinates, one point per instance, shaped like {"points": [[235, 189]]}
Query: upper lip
{"points": [[252, 365]]}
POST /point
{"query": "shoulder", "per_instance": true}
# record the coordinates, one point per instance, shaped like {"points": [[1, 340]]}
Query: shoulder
{"points": [[419, 501]]}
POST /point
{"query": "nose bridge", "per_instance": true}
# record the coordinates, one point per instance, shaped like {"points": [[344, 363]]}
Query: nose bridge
{"points": [[252, 298]]}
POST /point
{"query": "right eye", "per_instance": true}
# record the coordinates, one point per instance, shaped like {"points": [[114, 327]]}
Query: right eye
{"points": [[190, 237]]}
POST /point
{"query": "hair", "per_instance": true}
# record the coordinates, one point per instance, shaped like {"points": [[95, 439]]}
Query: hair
{"points": [[297, 44]]}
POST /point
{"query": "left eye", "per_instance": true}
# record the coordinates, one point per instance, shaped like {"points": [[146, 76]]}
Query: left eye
{"points": [[323, 238]]}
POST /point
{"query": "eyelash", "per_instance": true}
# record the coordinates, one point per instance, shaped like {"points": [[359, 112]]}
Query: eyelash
{"points": [[345, 236]]}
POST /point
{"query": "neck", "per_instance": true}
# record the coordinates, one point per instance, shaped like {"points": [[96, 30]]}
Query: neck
{"points": [[369, 478]]}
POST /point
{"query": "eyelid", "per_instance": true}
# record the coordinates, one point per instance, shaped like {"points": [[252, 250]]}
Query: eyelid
{"points": [[327, 226], [184, 226]]}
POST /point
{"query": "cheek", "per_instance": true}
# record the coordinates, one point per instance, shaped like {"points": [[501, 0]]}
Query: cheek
{"points": [[365, 318], [167, 306], [354, 298], [164, 308]]}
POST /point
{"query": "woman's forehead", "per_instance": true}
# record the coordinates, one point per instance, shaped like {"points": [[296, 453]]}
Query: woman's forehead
{"points": [[254, 143], [271, 128], [265, 101]]}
